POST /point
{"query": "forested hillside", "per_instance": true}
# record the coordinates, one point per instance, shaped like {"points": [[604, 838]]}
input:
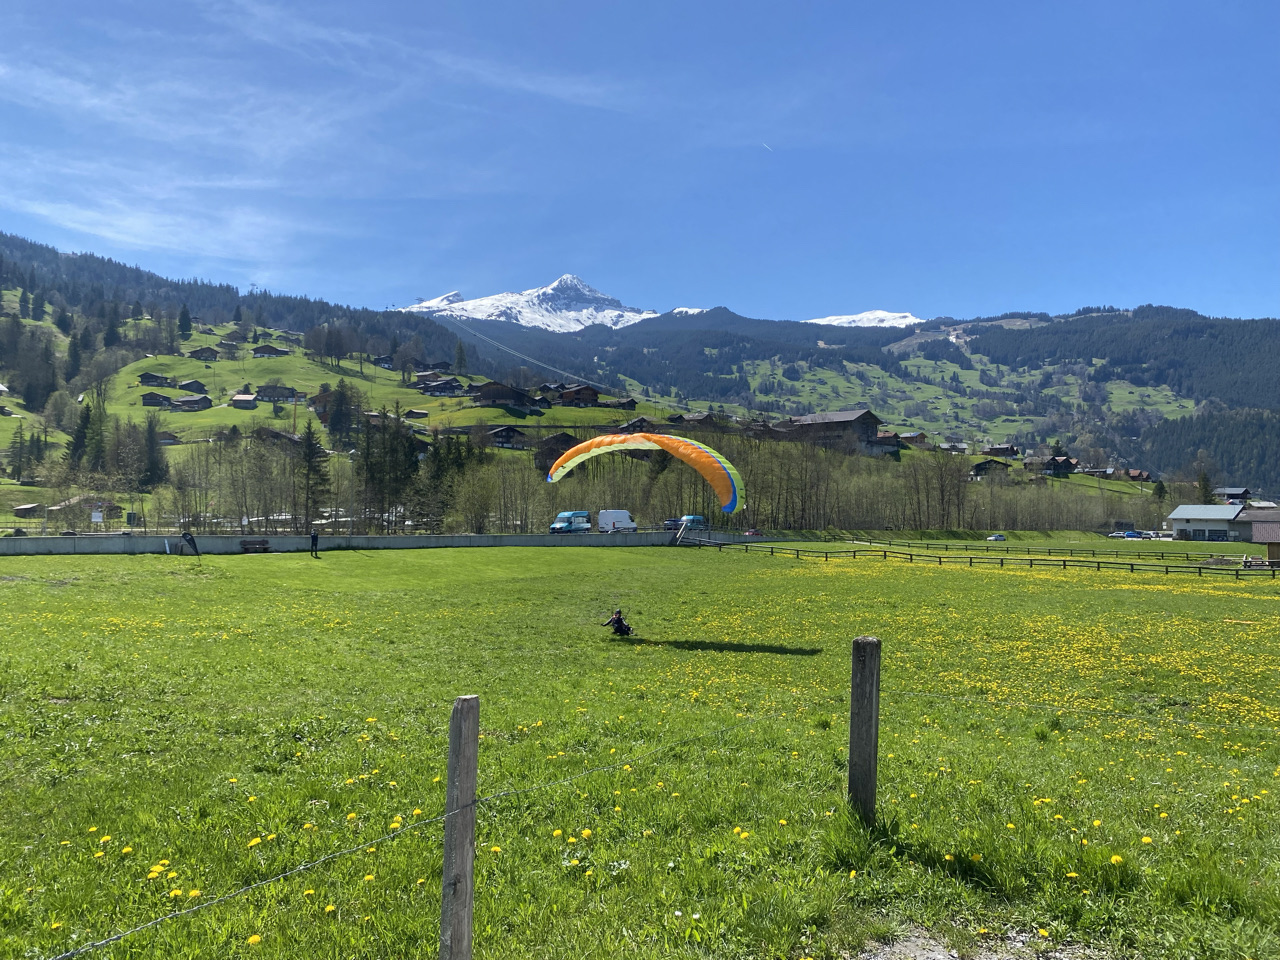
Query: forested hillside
{"points": [[1235, 361]]}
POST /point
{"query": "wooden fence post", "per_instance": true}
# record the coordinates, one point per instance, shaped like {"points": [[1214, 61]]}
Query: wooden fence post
{"points": [[864, 727], [458, 892]]}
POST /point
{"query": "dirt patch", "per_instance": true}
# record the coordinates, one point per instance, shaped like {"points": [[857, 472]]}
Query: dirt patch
{"points": [[920, 946]]}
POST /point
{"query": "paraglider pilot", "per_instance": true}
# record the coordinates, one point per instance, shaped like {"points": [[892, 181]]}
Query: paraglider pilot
{"points": [[620, 627]]}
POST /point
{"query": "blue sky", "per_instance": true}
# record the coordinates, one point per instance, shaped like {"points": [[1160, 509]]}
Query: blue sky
{"points": [[786, 160]]}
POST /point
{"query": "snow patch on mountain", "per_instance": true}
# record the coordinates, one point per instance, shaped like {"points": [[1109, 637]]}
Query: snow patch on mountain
{"points": [[448, 299], [870, 318], [689, 311], [566, 306]]}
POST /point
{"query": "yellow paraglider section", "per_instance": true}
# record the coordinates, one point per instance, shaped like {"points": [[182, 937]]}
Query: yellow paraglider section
{"points": [[715, 469]]}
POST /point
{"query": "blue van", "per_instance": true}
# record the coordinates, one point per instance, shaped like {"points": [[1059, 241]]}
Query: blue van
{"points": [[571, 521]]}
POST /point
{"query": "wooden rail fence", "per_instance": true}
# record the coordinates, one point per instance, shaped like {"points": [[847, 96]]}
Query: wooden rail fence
{"points": [[1062, 563]]}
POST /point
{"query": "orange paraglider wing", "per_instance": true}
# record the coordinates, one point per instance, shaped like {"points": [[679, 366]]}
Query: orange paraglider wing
{"points": [[715, 469]]}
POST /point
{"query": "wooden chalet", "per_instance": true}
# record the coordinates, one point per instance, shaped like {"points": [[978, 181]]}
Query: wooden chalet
{"points": [[267, 351], [204, 354], [494, 394], [154, 380], [278, 393], [579, 395], [244, 401], [843, 429], [193, 386], [549, 449], [512, 438], [989, 468], [153, 399]]}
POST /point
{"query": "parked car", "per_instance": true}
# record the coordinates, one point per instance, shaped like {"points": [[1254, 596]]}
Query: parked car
{"points": [[615, 521], [572, 521], [1117, 535], [753, 532], [996, 536], [691, 521], [671, 524], [1132, 535]]}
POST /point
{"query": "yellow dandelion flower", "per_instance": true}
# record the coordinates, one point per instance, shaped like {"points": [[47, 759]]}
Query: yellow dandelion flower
{"points": [[330, 908], [351, 816], [556, 833], [152, 875], [495, 849], [1146, 840], [782, 822], [255, 841], [586, 834], [254, 939], [194, 893], [126, 849], [368, 877], [852, 874], [417, 812], [1117, 859], [175, 892], [98, 854], [171, 875], [1073, 875]]}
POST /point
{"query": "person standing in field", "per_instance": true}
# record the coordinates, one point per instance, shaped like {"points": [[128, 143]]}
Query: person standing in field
{"points": [[315, 543]]}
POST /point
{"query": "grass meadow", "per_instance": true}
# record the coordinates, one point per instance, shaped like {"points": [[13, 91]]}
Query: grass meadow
{"points": [[1066, 756]]}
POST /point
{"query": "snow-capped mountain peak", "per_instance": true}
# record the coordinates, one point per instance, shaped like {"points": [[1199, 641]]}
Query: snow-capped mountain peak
{"points": [[870, 318], [565, 306], [453, 296]]}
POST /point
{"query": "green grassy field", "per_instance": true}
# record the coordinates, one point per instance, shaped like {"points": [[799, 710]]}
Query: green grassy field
{"points": [[1070, 756]]}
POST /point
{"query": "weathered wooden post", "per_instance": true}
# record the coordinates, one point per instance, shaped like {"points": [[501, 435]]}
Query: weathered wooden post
{"points": [[458, 895], [864, 727]]}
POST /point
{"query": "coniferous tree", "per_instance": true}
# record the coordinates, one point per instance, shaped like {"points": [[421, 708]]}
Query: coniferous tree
{"points": [[312, 474], [1204, 489], [111, 335], [184, 322], [79, 437], [24, 304], [155, 467], [17, 453], [460, 358]]}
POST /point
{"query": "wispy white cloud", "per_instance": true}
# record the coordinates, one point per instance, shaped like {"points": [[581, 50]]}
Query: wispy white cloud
{"points": [[413, 62]]}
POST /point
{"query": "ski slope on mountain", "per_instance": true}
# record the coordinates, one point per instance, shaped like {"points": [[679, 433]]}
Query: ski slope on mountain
{"points": [[870, 318]]}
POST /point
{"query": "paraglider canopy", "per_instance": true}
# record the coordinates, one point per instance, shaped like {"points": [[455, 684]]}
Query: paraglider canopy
{"points": [[715, 469]]}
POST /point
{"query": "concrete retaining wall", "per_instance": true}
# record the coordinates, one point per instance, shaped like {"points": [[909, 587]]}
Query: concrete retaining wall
{"points": [[50, 546]]}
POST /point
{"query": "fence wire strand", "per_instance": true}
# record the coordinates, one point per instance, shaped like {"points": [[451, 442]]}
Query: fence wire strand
{"points": [[364, 844]]}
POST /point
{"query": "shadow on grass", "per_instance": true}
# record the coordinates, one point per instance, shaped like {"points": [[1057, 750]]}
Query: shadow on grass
{"points": [[723, 646]]}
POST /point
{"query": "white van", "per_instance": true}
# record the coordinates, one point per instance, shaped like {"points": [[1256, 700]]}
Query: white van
{"points": [[615, 521]]}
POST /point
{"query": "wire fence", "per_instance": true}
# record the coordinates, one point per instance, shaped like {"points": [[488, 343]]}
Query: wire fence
{"points": [[1240, 572], [887, 692], [393, 834]]}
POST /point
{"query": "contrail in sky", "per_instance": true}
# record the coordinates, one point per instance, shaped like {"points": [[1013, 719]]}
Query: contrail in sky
{"points": [[766, 146]]}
